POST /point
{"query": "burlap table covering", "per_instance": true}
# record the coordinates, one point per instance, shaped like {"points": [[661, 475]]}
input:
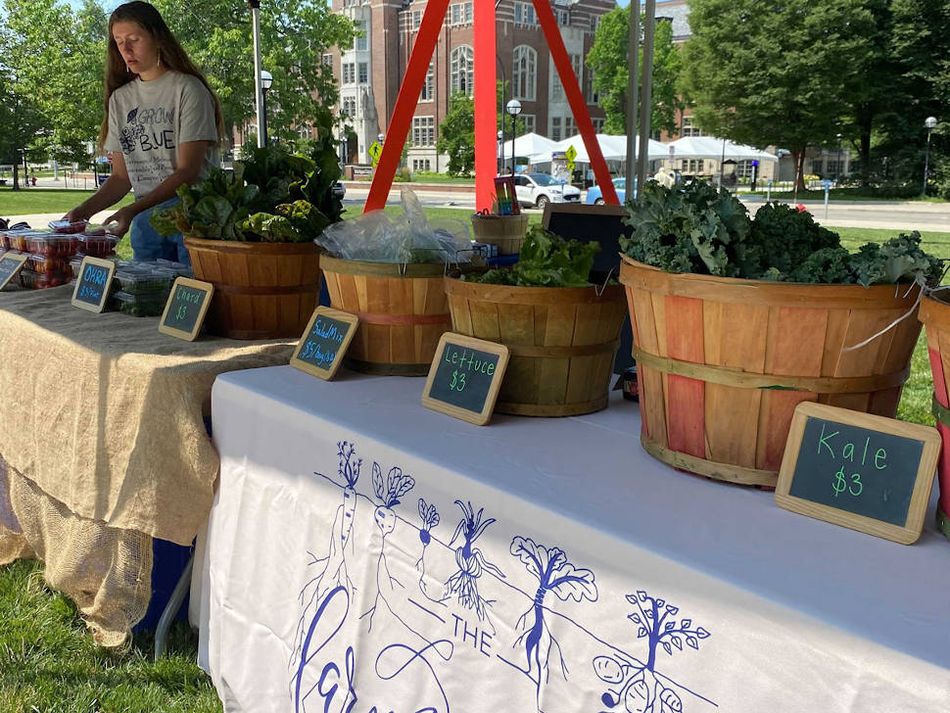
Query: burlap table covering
{"points": [[106, 415]]}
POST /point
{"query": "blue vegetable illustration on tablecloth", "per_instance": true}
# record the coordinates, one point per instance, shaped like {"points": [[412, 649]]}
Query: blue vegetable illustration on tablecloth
{"points": [[470, 562], [388, 492], [558, 576], [331, 571], [636, 685], [430, 520]]}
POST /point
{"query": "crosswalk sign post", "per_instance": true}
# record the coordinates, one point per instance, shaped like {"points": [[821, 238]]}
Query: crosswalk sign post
{"points": [[570, 155], [375, 151]]}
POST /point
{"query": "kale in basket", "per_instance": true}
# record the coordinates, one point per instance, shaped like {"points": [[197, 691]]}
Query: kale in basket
{"points": [[547, 260], [696, 228]]}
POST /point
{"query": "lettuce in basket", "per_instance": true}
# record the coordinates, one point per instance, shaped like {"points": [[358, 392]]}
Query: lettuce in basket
{"points": [[547, 260]]}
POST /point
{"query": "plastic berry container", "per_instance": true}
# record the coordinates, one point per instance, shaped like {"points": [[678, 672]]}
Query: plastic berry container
{"points": [[143, 281], [67, 227], [49, 265], [52, 245], [40, 281], [96, 245]]}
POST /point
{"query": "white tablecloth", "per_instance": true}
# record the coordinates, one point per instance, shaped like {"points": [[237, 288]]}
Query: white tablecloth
{"points": [[366, 554]]}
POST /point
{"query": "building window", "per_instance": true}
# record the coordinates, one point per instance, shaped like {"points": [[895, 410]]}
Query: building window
{"points": [[349, 73], [361, 42], [415, 19], [363, 73], [598, 125], [423, 131], [421, 164], [460, 13], [692, 165], [557, 88], [525, 72], [590, 92], [744, 169], [349, 106], [689, 129], [594, 23], [328, 60], [570, 128], [463, 64], [563, 18], [428, 87], [528, 121], [305, 131], [525, 15], [556, 128]]}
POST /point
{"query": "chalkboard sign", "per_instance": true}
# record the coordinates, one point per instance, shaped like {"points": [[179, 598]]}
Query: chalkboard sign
{"points": [[10, 265], [869, 473], [186, 308], [465, 377], [93, 284], [324, 342]]}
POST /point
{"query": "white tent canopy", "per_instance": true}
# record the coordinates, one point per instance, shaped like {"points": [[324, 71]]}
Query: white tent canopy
{"points": [[614, 148], [710, 147], [527, 145]]}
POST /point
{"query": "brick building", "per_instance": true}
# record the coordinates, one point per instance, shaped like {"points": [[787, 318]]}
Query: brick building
{"points": [[371, 71]]}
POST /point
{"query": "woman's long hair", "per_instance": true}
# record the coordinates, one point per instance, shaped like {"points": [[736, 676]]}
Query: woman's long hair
{"points": [[170, 52]]}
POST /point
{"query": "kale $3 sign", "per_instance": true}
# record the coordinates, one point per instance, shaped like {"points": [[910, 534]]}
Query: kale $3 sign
{"points": [[868, 473]]}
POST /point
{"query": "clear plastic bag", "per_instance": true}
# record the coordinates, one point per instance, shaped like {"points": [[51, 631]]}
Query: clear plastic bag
{"points": [[400, 239]]}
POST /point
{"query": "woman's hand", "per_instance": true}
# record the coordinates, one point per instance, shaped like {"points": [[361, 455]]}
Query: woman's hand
{"points": [[118, 223]]}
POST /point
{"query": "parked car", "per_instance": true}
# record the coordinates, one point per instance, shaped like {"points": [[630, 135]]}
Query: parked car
{"points": [[596, 197], [339, 190], [538, 189]]}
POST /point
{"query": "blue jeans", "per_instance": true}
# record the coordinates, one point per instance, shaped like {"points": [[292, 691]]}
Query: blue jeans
{"points": [[149, 245]]}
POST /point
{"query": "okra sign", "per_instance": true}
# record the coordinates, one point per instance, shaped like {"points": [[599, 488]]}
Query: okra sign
{"points": [[10, 265], [324, 342], [186, 308], [868, 473], [465, 377], [93, 284]]}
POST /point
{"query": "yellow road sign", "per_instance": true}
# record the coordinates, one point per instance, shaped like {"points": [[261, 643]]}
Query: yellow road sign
{"points": [[375, 151], [570, 154]]}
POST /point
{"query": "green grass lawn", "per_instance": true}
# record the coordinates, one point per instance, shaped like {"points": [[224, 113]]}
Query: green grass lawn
{"points": [[43, 200], [49, 663]]}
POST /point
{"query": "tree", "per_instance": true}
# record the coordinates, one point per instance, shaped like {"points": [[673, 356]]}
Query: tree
{"points": [[295, 34], [20, 122], [457, 135], [607, 60], [56, 56], [783, 77]]}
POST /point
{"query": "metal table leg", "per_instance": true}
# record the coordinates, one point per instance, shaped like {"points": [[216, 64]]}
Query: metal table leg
{"points": [[171, 609]]}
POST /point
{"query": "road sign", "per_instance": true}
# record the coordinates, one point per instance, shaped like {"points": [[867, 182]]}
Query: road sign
{"points": [[375, 151], [570, 154]]}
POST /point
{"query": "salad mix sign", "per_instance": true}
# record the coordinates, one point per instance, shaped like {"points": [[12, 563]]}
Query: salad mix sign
{"points": [[324, 342]]}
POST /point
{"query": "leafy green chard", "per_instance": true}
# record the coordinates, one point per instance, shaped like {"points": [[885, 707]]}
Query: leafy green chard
{"points": [[695, 228], [272, 195], [547, 260]]}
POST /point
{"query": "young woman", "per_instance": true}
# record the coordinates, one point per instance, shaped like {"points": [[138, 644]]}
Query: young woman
{"points": [[162, 127]]}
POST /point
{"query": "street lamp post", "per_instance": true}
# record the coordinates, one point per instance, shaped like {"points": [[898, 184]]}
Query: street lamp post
{"points": [[513, 108], [501, 142], [838, 170], [267, 79], [929, 123]]}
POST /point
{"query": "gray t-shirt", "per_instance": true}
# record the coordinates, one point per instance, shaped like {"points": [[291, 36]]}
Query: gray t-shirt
{"points": [[148, 120]]}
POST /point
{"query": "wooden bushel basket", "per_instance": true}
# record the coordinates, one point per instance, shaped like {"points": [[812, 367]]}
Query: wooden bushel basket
{"points": [[505, 231], [261, 290], [563, 341], [402, 309], [935, 314], [723, 362]]}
